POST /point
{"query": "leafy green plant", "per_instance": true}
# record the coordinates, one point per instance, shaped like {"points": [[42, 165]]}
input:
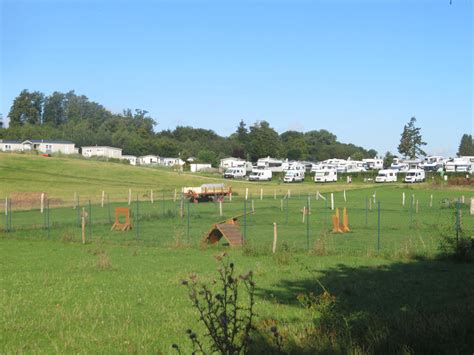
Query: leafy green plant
{"points": [[228, 322]]}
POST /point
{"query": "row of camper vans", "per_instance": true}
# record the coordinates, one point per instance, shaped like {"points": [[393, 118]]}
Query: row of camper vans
{"points": [[326, 175]]}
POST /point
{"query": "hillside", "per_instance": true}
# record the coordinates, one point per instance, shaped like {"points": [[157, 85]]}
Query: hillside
{"points": [[60, 177]]}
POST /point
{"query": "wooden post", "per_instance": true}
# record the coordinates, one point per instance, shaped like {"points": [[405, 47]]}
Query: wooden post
{"points": [[129, 197], [370, 204], [332, 201], [403, 199], [230, 196], [42, 202], [413, 201], [174, 197], [345, 199], [416, 206], [375, 196], [246, 193], [304, 212], [431, 200], [289, 193], [220, 208], [471, 210], [83, 225], [103, 198], [181, 210], [261, 194], [253, 207], [462, 199], [309, 203], [281, 205], [6, 206], [275, 237], [151, 196]]}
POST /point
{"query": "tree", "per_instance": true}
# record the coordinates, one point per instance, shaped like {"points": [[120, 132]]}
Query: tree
{"points": [[466, 147], [27, 108], [263, 141], [54, 112], [388, 159], [411, 140]]}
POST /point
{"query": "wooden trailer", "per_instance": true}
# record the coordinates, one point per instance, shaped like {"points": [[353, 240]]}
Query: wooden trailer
{"points": [[206, 192]]}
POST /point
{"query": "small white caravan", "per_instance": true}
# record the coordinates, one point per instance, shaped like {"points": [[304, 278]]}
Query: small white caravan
{"points": [[415, 175], [389, 175], [260, 175], [328, 175], [294, 176]]}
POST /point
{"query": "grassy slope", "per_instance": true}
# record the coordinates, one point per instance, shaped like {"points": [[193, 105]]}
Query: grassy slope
{"points": [[60, 177]]}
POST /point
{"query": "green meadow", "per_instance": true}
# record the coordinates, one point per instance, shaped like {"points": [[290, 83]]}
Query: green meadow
{"points": [[122, 292]]}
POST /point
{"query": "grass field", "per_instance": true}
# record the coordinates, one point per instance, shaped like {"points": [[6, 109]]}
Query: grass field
{"points": [[121, 291]]}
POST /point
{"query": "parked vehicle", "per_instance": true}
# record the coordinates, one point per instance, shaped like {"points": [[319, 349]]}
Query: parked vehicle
{"points": [[260, 175], [463, 164], [206, 192], [433, 163], [294, 176], [415, 175], [235, 173], [373, 164], [389, 175], [328, 175]]}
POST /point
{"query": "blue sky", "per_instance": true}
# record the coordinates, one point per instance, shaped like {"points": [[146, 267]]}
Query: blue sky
{"points": [[359, 69]]}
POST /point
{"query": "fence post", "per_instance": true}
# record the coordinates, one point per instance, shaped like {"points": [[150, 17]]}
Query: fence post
{"points": [[90, 220], [245, 220], [187, 225], [78, 213], [10, 215], [378, 227], [307, 224], [137, 220], [6, 214], [163, 202], [287, 210]]}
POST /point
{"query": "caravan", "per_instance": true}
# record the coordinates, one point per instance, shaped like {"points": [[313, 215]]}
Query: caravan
{"points": [[389, 175], [415, 175], [260, 175], [327, 175], [294, 176]]}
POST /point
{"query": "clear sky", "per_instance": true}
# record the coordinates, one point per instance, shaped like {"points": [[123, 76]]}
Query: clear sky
{"points": [[359, 69]]}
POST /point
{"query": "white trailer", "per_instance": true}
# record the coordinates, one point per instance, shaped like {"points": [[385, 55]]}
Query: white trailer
{"points": [[415, 175], [328, 175], [388, 175]]}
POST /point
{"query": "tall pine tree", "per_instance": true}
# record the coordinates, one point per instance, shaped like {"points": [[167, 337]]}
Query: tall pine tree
{"points": [[466, 147], [411, 140]]}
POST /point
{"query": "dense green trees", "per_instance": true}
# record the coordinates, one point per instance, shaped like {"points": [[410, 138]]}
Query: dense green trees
{"points": [[74, 117], [466, 146]]}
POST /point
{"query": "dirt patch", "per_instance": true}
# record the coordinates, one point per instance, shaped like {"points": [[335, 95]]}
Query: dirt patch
{"points": [[461, 181]]}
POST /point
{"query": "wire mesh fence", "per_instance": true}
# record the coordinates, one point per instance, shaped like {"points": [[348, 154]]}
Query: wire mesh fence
{"points": [[393, 221]]}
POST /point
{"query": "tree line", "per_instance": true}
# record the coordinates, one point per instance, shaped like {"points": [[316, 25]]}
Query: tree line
{"points": [[69, 116]]}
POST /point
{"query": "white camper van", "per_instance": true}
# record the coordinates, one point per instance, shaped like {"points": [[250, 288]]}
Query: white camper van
{"points": [[389, 175], [294, 176], [235, 173], [415, 175], [260, 175], [329, 175]]}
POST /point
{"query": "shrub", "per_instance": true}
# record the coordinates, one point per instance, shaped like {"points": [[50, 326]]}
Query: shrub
{"points": [[227, 321]]}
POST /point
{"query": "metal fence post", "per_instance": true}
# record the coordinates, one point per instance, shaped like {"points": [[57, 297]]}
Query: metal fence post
{"points": [[287, 210], [366, 210], [10, 215], [378, 228], [458, 221], [187, 224], [108, 209], [137, 220]]}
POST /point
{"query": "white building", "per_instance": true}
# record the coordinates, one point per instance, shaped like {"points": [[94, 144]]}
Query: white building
{"points": [[200, 167], [148, 160], [102, 151], [131, 158], [40, 145]]}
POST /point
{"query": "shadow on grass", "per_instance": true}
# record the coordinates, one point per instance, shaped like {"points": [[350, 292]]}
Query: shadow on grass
{"points": [[419, 306]]}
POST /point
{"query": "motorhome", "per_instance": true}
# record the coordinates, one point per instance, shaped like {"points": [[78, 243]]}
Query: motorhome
{"points": [[355, 166], [294, 176], [373, 164], [327, 175], [415, 175], [275, 165], [399, 165], [463, 164], [433, 163], [388, 175], [260, 175], [235, 173]]}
